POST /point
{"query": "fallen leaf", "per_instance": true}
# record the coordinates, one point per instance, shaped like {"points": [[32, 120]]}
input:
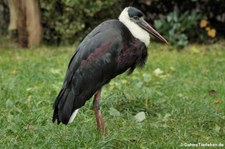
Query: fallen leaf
{"points": [[172, 68], [124, 81], [212, 92], [203, 23], [114, 112], [18, 57], [139, 84], [217, 128], [157, 72], [166, 117], [146, 77], [134, 139], [207, 28], [140, 116], [31, 89], [9, 103], [195, 133], [13, 72], [212, 33], [29, 127], [55, 71], [217, 102], [195, 50]]}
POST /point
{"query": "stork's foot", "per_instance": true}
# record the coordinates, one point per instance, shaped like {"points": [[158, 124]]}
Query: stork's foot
{"points": [[99, 119]]}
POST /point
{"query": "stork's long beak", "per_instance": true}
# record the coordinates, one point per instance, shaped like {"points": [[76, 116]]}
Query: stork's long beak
{"points": [[142, 23]]}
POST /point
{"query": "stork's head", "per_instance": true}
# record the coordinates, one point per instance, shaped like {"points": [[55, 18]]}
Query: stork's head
{"points": [[140, 29]]}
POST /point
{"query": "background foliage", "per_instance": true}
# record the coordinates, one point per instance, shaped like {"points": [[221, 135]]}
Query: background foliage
{"points": [[67, 21], [177, 27], [177, 20], [73, 18], [4, 18]]}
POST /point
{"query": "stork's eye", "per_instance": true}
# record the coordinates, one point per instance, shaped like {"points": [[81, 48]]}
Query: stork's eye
{"points": [[136, 17]]}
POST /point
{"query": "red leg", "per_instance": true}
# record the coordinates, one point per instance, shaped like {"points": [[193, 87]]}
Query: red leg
{"points": [[98, 115]]}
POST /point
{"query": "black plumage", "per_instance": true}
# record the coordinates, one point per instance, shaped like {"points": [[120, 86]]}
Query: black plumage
{"points": [[107, 51], [112, 48]]}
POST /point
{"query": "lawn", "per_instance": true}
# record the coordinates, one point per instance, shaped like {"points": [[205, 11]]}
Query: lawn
{"points": [[182, 95]]}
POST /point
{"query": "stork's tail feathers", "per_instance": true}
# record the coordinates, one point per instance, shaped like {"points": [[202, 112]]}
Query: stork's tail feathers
{"points": [[63, 107], [72, 117]]}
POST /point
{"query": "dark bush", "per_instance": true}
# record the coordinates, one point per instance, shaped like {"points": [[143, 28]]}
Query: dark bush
{"points": [[179, 32], [65, 21], [4, 18], [69, 21], [178, 27]]}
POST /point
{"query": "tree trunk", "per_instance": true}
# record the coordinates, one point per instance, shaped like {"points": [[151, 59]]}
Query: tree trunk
{"points": [[13, 14], [26, 14], [33, 23], [21, 25]]}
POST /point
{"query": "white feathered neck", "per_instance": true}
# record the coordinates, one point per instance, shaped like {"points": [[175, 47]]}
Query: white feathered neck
{"points": [[135, 29]]}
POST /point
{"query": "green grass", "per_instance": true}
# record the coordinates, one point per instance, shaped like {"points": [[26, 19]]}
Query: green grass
{"points": [[178, 104]]}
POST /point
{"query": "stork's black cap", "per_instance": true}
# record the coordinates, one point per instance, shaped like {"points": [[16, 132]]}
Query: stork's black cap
{"points": [[135, 12]]}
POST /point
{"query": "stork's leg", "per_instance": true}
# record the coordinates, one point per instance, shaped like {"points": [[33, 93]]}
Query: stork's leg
{"points": [[98, 115]]}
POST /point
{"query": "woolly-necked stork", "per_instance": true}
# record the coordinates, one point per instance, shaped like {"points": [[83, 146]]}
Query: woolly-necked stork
{"points": [[110, 49]]}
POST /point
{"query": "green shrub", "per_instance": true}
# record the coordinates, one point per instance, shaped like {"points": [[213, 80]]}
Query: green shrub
{"points": [[178, 27], [212, 11], [65, 21], [4, 18]]}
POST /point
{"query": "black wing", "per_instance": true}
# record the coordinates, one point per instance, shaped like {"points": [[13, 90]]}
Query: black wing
{"points": [[92, 66]]}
